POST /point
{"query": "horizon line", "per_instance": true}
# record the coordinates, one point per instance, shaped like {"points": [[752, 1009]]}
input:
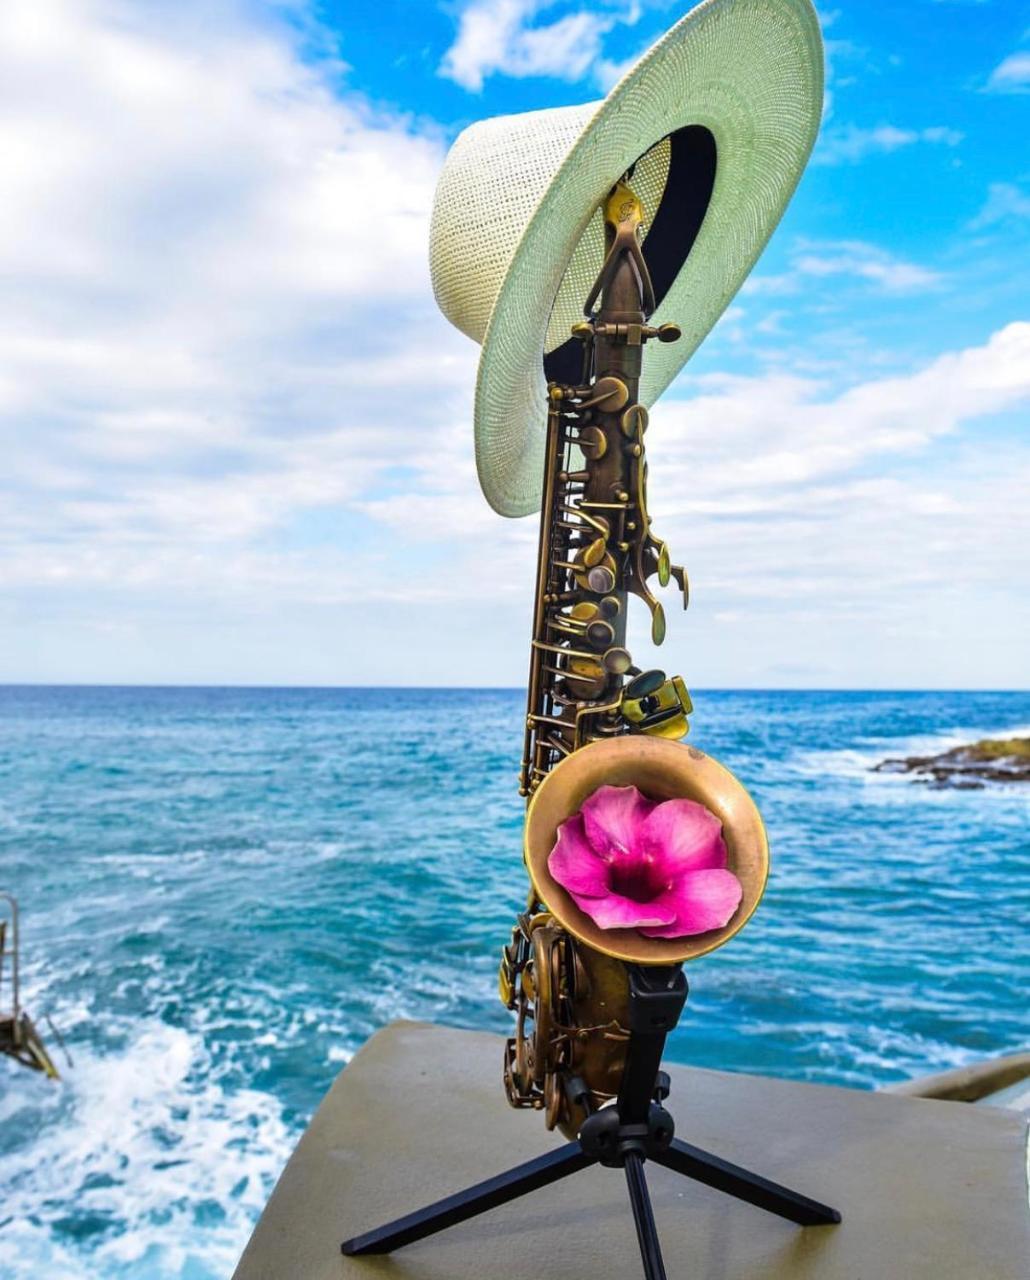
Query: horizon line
{"points": [[484, 688]]}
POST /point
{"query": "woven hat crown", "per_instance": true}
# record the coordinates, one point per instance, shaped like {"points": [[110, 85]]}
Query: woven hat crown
{"points": [[495, 176]]}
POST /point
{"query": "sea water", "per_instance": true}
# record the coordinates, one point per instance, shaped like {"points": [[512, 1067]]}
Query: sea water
{"points": [[225, 891]]}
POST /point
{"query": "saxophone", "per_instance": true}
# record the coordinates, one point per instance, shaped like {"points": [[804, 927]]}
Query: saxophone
{"points": [[596, 548]]}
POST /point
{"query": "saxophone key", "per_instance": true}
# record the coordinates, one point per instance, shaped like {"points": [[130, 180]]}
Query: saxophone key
{"points": [[678, 572], [601, 579], [608, 394], [617, 661], [657, 705], [592, 443], [658, 624], [633, 422], [594, 554]]}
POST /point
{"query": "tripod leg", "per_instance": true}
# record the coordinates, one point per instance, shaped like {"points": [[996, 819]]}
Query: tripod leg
{"points": [[713, 1171], [647, 1235], [472, 1201]]}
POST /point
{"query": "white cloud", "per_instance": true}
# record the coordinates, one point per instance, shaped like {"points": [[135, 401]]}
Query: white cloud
{"points": [[836, 527], [744, 436], [883, 269], [1005, 202], [848, 144], [200, 243], [608, 72], [867, 535], [760, 445], [1012, 75], [771, 324], [853, 259], [232, 418], [502, 37]]}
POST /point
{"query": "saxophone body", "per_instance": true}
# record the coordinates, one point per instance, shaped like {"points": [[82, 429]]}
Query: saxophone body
{"points": [[596, 542], [596, 550]]}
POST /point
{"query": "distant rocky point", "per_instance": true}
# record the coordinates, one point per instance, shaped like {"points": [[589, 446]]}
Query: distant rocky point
{"points": [[969, 767]]}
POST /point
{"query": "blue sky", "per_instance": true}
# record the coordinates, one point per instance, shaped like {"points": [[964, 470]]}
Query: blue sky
{"points": [[237, 433]]}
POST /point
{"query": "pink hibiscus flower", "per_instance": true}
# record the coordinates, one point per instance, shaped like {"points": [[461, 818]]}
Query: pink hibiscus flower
{"points": [[634, 863]]}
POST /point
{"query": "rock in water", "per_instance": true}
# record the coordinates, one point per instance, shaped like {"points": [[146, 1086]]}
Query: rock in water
{"points": [[968, 767]]}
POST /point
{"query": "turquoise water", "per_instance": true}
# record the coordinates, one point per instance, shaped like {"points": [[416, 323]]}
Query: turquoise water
{"points": [[225, 891]]}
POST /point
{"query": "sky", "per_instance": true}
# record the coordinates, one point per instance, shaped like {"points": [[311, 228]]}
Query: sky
{"points": [[236, 431]]}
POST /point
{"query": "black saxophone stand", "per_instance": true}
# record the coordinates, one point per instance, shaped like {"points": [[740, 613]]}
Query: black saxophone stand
{"points": [[635, 1129]]}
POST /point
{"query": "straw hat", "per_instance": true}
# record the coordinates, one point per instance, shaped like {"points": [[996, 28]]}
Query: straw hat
{"points": [[718, 117]]}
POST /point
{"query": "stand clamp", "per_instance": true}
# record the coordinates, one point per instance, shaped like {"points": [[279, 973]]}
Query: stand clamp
{"points": [[609, 1141]]}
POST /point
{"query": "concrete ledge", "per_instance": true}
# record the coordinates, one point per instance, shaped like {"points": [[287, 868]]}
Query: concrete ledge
{"points": [[929, 1190]]}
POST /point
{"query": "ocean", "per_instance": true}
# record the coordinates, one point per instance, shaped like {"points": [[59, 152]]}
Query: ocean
{"points": [[225, 891]]}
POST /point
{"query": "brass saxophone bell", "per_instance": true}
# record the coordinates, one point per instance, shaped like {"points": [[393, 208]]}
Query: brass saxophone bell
{"points": [[662, 770]]}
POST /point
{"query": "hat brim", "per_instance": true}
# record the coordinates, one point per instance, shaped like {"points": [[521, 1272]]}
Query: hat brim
{"points": [[748, 71]]}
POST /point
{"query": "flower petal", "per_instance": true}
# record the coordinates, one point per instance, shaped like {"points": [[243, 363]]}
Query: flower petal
{"points": [[573, 862], [616, 912], [701, 901], [611, 818], [682, 836]]}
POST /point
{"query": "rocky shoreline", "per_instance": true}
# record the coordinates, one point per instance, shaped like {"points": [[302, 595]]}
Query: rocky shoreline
{"points": [[968, 767]]}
